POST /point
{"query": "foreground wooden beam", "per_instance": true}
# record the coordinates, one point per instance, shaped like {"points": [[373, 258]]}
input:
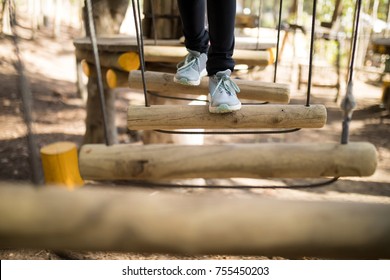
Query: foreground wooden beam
{"points": [[249, 117], [254, 90], [136, 221], [307, 160]]}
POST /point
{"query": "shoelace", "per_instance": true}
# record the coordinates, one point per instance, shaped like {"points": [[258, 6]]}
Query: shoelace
{"points": [[228, 84], [188, 62]]}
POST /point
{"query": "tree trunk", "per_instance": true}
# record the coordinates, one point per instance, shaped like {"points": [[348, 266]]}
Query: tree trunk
{"points": [[108, 16]]}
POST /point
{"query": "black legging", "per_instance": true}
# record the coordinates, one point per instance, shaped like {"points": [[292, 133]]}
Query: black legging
{"points": [[221, 19]]}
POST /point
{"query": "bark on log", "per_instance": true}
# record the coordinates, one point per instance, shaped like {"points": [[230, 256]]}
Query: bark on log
{"points": [[136, 221], [253, 90], [249, 117], [121, 162]]}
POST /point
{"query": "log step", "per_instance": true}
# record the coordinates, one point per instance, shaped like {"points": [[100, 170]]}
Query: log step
{"points": [[253, 90], [303, 160], [175, 54], [249, 117], [113, 219]]}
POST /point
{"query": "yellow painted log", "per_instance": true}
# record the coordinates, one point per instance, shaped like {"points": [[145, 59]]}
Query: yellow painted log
{"points": [[85, 67], [116, 78], [60, 164], [122, 61]]}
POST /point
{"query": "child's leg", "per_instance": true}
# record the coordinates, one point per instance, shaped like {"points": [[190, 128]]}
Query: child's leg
{"points": [[192, 14], [221, 17]]}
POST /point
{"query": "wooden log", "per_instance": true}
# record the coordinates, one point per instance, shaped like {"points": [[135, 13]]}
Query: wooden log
{"points": [[136, 221], [116, 78], [174, 54], [307, 160], [122, 61], [86, 68], [124, 43], [60, 164], [254, 90], [249, 117]]}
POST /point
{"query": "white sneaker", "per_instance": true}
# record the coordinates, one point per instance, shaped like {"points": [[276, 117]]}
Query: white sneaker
{"points": [[223, 93], [191, 69]]}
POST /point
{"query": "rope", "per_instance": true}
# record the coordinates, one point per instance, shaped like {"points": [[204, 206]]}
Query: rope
{"points": [[92, 34], [140, 43], [298, 186], [239, 132], [309, 81], [278, 40], [194, 99], [26, 97], [349, 104]]}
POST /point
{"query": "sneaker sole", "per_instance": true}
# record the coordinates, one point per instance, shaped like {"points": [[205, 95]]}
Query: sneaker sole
{"points": [[224, 108], [186, 82]]}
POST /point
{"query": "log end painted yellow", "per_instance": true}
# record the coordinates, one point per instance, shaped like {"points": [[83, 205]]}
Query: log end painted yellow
{"points": [[60, 165], [129, 61]]}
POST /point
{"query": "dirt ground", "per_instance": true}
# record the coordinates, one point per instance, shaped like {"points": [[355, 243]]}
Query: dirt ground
{"points": [[59, 115]]}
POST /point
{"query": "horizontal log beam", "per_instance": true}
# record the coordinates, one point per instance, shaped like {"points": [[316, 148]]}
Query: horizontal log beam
{"points": [[173, 54], [127, 61], [121, 162], [249, 117], [253, 90], [118, 43], [136, 221]]}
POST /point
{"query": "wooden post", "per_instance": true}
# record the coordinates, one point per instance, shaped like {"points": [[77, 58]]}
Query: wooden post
{"points": [[304, 160], [60, 164], [253, 90], [136, 221], [249, 117]]}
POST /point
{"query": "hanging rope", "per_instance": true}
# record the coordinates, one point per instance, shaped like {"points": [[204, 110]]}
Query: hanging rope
{"points": [[26, 98], [309, 81], [349, 103], [278, 40], [92, 34], [140, 43]]}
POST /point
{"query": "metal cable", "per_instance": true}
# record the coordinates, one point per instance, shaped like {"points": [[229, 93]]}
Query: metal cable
{"points": [[240, 132], [348, 104], [298, 186], [140, 43], [278, 40], [309, 81], [194, 99], [26, 98], [354, 44], [92, 31]]}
